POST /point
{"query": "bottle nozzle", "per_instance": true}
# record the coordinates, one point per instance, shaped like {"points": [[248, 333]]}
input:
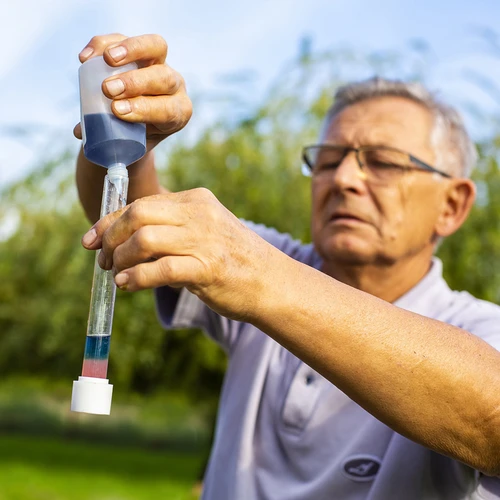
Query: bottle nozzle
{"points": [[117, 171]]}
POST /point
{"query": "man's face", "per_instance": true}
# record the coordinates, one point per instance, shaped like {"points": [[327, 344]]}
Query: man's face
{"points": [[358, 223]]}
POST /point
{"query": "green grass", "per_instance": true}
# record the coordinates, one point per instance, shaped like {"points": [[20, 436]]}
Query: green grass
{"points": [[38, 468], [171, 422]]}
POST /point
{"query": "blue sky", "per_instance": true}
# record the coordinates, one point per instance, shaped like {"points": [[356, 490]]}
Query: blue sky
{"points": [[41, 40]]}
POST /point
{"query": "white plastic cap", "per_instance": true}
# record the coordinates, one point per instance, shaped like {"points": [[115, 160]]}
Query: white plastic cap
{"points": [[92, 395]]}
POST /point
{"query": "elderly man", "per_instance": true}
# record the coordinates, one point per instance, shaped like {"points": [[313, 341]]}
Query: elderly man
{"points": [[354, 371]]}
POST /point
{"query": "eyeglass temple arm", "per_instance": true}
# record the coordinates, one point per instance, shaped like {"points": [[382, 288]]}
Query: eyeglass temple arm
{"points": [[426, 166]]}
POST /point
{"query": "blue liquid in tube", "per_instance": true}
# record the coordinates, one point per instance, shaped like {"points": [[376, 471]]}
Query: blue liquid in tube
{"points": [[110, 140]]}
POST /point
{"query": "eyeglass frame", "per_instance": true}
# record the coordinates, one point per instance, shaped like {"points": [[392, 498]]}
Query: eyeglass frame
{"points": [[422, 165]]}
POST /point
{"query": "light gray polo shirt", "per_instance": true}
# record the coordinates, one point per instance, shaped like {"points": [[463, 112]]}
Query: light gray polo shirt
{"points": [[285, 433]]}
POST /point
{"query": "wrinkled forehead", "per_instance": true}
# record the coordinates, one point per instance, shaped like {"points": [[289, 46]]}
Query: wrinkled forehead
{"points": [[390, 121]]}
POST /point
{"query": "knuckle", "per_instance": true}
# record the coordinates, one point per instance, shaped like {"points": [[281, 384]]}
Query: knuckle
{"points": [[102, 41], [160, 43], [132, 82], [107, 243], [206, 204], [135, 214], [166, 270], [95, 41], [141, 108], [203, 193], [164, 115], [186, 109], [181, 80], [144, 237], [141, 276], [119, 259], [135, 44], [168, 78], [176, 111]]}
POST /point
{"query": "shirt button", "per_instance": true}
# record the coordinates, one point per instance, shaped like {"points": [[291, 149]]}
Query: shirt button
{"points": [[309, 379]]}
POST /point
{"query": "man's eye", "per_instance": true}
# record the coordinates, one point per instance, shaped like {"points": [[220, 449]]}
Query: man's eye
{"points": [[328, 166], [384, 165]]}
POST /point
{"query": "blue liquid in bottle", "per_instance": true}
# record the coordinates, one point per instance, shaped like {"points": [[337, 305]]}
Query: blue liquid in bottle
{"points": [[110, 140]]}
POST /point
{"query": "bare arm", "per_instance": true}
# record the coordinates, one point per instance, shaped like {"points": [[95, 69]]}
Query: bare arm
{"points": [[432, 382], [155, 94], [143, 181]]}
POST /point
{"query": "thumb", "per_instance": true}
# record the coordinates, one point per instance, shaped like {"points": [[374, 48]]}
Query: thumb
{"points": [[77, 131]]}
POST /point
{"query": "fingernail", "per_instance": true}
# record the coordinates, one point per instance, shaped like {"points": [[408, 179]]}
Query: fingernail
{"points": [[89, 237], [121, 280], [115, 87], [101, 260], [123, 107], [86, 52], [117, 53]]}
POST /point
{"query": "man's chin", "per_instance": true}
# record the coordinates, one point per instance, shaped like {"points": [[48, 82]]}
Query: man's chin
{"points": [[346, 252]]}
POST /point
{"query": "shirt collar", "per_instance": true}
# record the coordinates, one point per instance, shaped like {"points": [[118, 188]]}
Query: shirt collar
{"points": [[430, 295]]}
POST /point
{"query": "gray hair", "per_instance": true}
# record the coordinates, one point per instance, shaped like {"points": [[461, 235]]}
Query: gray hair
{"points": [[454, 149]]}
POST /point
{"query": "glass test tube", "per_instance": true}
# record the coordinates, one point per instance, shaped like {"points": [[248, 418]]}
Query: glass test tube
{"points": [[95, 361]]}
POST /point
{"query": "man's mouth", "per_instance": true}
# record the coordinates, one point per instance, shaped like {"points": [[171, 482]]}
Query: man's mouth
{"points": [[345, 217]]}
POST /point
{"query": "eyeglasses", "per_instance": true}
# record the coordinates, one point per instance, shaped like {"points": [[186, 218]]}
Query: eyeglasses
{"points": [[380, 164]]}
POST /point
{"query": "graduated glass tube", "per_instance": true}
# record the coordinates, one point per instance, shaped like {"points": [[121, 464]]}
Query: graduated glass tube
{"points": [[113, 144], [102, 301]]}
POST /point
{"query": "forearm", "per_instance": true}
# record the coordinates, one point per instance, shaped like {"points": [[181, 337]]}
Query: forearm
{"points": [[143, 181], [434, 383]]}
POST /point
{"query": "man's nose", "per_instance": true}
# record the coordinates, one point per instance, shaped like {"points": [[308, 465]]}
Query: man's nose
{"points": [[349, 174]]}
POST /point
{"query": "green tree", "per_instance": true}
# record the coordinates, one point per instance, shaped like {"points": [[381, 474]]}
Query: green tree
{"points": [[251, 161], [471, 254]]}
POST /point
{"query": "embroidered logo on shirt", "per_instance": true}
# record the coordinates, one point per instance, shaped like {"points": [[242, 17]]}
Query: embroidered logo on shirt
{"points": [[361, 467]]}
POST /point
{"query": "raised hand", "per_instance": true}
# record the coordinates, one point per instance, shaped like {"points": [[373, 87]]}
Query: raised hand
{"points": [[154, 94], [187, 239]]}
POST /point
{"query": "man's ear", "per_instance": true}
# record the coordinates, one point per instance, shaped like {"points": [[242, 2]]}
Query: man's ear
{"points": [[457, 203]]}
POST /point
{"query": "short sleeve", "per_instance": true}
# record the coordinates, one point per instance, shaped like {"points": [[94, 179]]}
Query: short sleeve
{"points": [[482, 319], [185, 310], [488, 489], [287, 244]]}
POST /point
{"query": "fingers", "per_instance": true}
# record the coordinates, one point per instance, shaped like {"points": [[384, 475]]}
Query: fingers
{"points": [[166, 114], [151, 227], [118, 49], [151, 243], [97, 45], [174, 271], [116, 228], [145, 212], [158, 79], [93, 239], [154, 95], [147, 49]]}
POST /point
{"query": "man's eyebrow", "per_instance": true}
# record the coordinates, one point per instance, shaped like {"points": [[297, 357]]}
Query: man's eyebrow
{"points": [[371, 144]]}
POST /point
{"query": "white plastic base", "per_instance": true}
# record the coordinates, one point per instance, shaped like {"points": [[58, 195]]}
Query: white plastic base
{"points": [[92, 395]]}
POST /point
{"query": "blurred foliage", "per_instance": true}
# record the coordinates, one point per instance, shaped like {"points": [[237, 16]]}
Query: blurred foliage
{"points": [[40, 407], [251, 161], [470, 256]]}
